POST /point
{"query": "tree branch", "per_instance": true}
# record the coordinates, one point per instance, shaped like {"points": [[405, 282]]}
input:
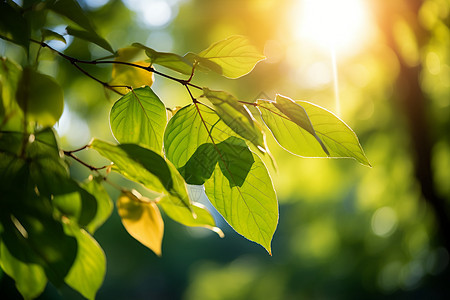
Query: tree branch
{"points": [[75, 62]]}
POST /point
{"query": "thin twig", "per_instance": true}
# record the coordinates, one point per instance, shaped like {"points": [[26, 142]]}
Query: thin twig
{"points": [[76, 61], [76, 150], [92, 168]]}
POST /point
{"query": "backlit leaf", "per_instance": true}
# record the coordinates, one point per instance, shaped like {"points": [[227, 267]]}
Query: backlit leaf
{"points": [[234, 56], [125, 76], [236, 116], [142, 220], [239, 184], [252, 208], [197, 216], [146, 167], [40, 97], [298, 115], [166, 59], [139, 117], [88, 271], [338, 137]]}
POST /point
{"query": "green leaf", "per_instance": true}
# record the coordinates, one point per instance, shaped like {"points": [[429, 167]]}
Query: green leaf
{"points": [[146, 167], [235, 160], [40, 97], [104, 204], [13, 26], [30, 278], [186, 132], [235, 56], [10, 74], [197, 216], [338, 138], [90, 36], [44, 144], [239, 183], [50, 175], [252, 208], [166, 59], [69, 198], [139, 117], [73, 11], [142, 220], [32, 235], [236, 116], [49, 35], [48, 172], [88, 271], [2, 106], [200, 165]]}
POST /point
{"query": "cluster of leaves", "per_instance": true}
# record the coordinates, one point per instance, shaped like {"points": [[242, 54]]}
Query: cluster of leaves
{"points": [[47, 218]]}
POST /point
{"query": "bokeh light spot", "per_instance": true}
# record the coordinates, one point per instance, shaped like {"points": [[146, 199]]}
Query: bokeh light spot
{"points": [[156, 13], [384, 221]]}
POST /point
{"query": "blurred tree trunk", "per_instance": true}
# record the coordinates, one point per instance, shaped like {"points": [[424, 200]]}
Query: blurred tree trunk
{"points": [[412, 102]]}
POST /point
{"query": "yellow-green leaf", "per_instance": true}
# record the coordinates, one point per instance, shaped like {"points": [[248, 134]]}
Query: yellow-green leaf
{"points": [[124, 75], [234, 56], [337, 137], [238, 185], [252, 208], [298, 115], [197, 216], [142, 220], [166, 59], [236, 116]]}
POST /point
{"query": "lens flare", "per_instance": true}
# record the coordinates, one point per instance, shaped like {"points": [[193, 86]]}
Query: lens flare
{"points": [[342, 25]]}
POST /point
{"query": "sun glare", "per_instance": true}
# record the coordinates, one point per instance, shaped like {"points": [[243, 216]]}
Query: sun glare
{"points": [[330, 24]]}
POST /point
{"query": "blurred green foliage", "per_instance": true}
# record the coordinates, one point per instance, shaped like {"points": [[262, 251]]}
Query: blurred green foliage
{"points": [[345, 232]]}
